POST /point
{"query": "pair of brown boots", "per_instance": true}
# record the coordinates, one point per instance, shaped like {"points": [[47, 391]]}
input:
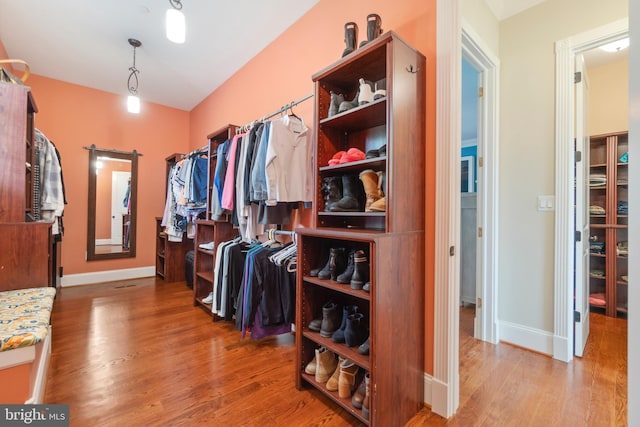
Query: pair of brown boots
{"points": [[373, 183]]}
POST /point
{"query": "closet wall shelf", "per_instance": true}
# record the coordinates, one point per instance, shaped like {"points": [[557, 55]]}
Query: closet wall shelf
{"points": [[361, 117], [347, 352], [375, 163], [338, 287]]}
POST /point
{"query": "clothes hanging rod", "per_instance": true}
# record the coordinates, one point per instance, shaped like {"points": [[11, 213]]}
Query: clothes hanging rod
{"points": [[282, 109]]}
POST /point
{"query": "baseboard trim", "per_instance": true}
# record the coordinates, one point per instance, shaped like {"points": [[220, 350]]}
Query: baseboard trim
{"points": [[107, 276], [428, 384], [525, 337]]}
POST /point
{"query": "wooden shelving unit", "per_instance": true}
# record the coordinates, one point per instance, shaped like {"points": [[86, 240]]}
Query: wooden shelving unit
{"points": [[609, 229], [393, 240]]}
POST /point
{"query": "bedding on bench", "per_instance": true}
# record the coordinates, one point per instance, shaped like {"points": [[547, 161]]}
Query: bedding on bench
{"points": [[24, 316]]}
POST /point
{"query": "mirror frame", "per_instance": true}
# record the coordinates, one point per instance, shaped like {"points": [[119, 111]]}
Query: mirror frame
{"points": [[94, 153]]}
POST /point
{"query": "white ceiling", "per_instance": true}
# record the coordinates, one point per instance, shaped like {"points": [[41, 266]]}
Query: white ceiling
{"points": [[85, 42]]}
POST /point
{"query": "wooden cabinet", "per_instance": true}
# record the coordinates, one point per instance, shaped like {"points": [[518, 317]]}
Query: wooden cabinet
{"points": [[392, 238], [26, 248], [170, 256], [608, 210]]}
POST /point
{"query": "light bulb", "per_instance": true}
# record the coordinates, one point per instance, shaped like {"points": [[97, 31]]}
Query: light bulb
{"points": [[133, 104], [175, 26]]}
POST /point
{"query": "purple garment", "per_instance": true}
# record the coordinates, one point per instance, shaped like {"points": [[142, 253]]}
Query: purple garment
{"points": [[258, 331]]}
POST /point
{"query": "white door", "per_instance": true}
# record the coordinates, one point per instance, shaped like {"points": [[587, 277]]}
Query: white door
{"points": [[581, 213], [119, 184]]}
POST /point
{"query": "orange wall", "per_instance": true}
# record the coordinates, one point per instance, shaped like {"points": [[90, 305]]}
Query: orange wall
{"points": [[73, 117], [282, 73]]}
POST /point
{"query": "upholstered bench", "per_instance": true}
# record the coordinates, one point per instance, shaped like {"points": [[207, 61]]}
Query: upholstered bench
{"points": [[25, 343]]}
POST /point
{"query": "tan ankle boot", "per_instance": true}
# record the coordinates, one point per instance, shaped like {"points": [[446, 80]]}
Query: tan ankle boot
{"points": [[372, 190], [347, 378], [332, 384], [326, 364]]}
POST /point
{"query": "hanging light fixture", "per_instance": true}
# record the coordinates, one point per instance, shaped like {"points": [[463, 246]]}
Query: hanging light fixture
{"points": [[133, 102], [175, 22]]}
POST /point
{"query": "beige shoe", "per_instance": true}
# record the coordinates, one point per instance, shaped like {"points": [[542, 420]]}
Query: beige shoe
{"points": [[310, 369], [347, 378], [326, 364], [332, 384]]}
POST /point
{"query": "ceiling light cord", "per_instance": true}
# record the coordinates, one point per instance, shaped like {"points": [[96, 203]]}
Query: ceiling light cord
{"points": [[132, 81], [133, 102]]}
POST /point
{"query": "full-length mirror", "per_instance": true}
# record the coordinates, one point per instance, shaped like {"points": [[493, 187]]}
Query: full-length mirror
{"points": [[113, 189]]}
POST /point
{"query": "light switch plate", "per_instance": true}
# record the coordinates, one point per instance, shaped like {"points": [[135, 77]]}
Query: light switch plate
{"points": [[546, 203]]}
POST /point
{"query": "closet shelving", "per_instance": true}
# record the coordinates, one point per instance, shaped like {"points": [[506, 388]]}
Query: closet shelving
{"points": [[393, 240], [608, 285], [170, 255], [209, 230], [26, 251]]}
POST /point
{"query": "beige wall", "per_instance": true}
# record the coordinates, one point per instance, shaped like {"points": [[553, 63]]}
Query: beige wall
{"points": [[478, 16], [527, 151], [609, 98]]}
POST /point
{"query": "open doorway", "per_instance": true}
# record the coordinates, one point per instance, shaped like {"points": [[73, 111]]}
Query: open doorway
{"points": [[471, 109], [571, 293]]}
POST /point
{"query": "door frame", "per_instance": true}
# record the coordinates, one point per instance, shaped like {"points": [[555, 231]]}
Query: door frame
{"points": [[477, 54], [443, 391], [566, 49]]}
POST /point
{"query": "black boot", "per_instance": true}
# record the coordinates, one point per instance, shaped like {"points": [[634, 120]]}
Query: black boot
{"points": [[346, 275], [338, 335], [352, 195], [336, 264], [374, 28], [330, 319], [332, 190], [324, 263], [360, 271], [350, 37], [354, 332]]}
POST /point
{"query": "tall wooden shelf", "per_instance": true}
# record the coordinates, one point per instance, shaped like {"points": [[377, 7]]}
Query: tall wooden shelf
{"points": [[393, 240], [609, 266], [209, 230], [26, 247]]}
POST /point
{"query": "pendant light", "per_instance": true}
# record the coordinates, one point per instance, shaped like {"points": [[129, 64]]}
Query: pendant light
{"points": [[175, 22], [133, 102]]}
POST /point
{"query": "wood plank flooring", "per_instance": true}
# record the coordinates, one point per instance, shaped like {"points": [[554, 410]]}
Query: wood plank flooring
{"points": [[138, 353]]}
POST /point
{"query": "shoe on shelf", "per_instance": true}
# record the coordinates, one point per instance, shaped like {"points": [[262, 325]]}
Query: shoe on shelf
{"points": [[326, 364], [365, 94], [208, 299], [358, 396], [330, 319], [364, 347], [334, 105], [332, 383], [208, 246], [315, 325], [310, 369], [347, 378]]}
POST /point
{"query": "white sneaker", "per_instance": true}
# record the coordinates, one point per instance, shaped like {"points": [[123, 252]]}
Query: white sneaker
{"points": [[209, 246], [209, 299]]}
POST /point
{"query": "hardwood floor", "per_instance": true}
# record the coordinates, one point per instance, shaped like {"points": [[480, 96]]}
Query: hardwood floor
{"points": [[138, 353]]}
